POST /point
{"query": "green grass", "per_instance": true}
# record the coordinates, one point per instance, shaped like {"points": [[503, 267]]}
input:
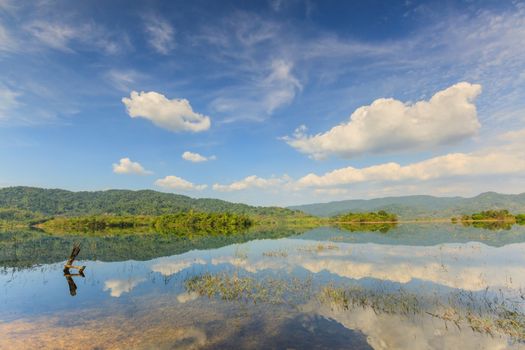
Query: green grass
{"points": [[489, 315]]}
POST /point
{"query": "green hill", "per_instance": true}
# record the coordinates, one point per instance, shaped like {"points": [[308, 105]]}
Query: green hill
{"points": [[50, 202], [408, 207]]}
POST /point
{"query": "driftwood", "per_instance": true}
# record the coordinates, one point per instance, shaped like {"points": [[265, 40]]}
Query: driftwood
{"points": [[72, 257], [69, 265]]}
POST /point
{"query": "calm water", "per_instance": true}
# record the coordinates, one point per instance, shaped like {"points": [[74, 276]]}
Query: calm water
{"points": [[435, 286]]}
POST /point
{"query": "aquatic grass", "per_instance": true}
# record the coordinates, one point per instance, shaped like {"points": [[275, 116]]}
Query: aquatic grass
{"points": [[337, 239], [280, 253], [241, 253], [492, 315], [400, 302], [318, 248], [482, 315], [247, 289]]}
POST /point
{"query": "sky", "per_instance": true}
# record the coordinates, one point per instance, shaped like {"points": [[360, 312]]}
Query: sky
{"points": [[264, 102]]}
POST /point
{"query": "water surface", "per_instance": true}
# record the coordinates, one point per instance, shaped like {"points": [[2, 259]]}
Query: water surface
{"points": [[429, 286]]}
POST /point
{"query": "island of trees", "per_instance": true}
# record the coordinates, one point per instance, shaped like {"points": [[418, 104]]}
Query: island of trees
{"points": [[370, 217], [182, 222], [502, 215]]}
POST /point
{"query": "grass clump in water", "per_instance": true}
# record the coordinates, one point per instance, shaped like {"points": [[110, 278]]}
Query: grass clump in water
{"points": [[318, 248], [247, 289], [494, 316], [276, 253]]}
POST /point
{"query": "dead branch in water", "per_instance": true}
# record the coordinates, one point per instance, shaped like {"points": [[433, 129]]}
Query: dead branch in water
{"points": [[69, 264]]}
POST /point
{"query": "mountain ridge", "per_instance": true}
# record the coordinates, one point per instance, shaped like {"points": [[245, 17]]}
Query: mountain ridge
{"points": [[418, 206], [117, 202], [149, 202]]}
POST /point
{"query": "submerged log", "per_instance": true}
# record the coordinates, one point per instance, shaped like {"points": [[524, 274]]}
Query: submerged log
{"points": [[69, 264]]}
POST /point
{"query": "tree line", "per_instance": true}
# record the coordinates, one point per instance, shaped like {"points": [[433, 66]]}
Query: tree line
{"points": [[182, 222]]}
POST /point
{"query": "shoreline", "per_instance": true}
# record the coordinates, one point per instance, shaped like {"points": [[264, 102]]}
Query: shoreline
{"points": [[423, 221]]}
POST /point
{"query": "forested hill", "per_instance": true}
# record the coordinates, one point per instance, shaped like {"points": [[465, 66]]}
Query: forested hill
{"points": [[118, 202], [409, 207]]}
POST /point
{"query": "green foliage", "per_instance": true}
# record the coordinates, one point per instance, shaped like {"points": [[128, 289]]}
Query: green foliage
{"points": [[27, 248], [96, 223], [371, 217], [222, 223], [520, 219], [489, 225], [497, 215], [412, 207], [359, 227], [53, 202], [13, 217], [182, 223]]}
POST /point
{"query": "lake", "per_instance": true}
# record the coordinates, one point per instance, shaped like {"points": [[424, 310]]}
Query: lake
{"points": [[417, 286]]}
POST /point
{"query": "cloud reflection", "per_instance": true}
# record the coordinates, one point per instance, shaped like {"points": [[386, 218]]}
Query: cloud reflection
{"points": [[119, 286]]}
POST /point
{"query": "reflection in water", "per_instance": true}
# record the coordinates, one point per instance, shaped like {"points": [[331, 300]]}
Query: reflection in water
{"points": [[359, 227], [70, 282], [117, 287], [163, 323], [486, 314], [168, 267], [417, 287], [489, 225], [23, 249]]}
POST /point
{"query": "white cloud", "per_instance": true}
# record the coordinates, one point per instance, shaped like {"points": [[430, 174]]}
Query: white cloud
{"points": [[500, 160], [118, 287], [449, 173], [160, 34], [177, 183], [174, 115], [391, 125], [196, 158], [251, 182], [126, 166]]}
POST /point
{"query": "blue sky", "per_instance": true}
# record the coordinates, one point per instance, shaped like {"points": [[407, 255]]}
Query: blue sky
{"points": [[264, 102]]}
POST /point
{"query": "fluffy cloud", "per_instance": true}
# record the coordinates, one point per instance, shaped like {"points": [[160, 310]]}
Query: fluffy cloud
{"points": [[174, 115], [126, 166], [160, 34], [391, 125], [118, 287], [250, 182], [195, 157], [505, 157], [492, 162], [177, 183]]}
